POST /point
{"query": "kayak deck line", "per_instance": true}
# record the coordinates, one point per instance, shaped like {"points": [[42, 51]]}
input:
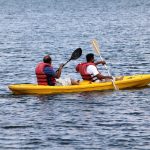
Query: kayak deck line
{"points": [[134, 81]]}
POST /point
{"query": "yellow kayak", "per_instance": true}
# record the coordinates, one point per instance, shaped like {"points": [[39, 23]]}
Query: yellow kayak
{"points": [[134, 81]]}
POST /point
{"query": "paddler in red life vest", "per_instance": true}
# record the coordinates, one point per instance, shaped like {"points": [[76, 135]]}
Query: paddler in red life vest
{"points": [[46, 75], [89, 71]]}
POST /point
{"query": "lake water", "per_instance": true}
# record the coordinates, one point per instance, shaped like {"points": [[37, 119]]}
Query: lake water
{"points": [[110, 120]]}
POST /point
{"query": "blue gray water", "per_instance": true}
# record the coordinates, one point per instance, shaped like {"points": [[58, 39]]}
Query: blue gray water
{"points": [[110, 120]]}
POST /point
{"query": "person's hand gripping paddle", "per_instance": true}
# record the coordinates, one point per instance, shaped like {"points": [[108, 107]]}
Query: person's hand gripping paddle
{"points": [[97, 51]]}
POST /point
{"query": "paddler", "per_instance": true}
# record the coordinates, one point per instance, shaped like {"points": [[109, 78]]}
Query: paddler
{"points": [[46, 75], [88, 70]]}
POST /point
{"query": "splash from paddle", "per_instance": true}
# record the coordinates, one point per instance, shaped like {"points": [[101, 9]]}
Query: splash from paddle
{"points": [[97, 51]]}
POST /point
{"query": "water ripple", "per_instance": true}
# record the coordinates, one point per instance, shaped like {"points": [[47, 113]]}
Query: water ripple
{"points": [[111, 120]]}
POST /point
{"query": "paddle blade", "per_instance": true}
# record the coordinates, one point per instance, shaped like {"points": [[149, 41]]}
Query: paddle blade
{"points": [[76, 54], [95, 46]]}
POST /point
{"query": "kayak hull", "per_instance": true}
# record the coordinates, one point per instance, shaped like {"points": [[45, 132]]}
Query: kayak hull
{"points": [[134, 81]]}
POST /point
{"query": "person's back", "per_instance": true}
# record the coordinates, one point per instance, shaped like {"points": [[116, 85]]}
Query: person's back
{"points": [[45, 73]]}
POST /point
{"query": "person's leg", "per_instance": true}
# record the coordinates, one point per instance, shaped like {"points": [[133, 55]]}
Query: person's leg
{"points": [[66, 82]]}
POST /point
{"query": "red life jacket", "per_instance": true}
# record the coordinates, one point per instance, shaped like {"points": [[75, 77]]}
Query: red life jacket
{"points": [[82, 69], [42, 78]]}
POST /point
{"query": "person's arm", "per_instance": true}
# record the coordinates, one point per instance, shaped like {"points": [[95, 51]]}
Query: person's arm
{"points": [[100, 62], [49, 72], [58, 72], [100, 77], [93, 70]]}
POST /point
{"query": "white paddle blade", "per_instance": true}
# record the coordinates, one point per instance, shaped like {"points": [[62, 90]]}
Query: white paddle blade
{"points": [[95, 46]]}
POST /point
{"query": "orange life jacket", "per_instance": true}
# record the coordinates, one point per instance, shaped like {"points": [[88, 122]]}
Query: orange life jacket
{"points": [[42, 78], [82, 69]]}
